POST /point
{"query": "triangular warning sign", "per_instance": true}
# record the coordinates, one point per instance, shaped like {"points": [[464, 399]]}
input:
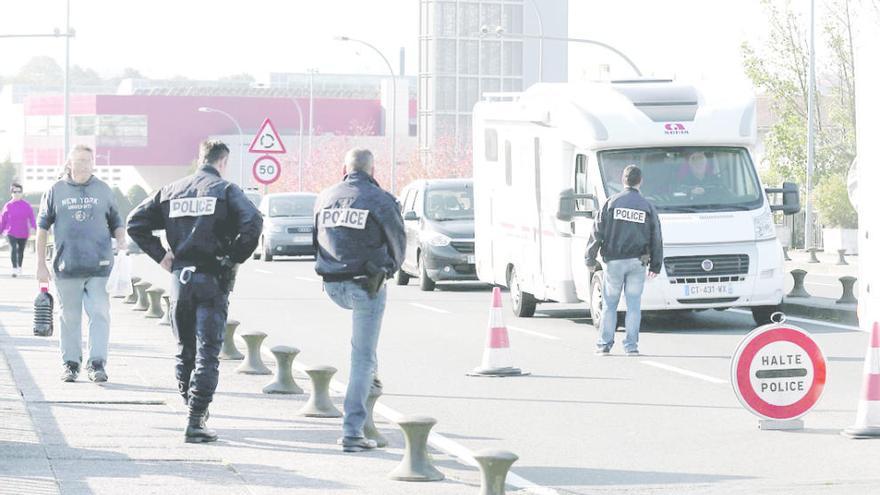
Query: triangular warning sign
{"points": [[267, 140]]}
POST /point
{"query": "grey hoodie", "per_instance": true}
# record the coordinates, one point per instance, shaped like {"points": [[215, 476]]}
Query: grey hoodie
{"points": [[84, 217]]}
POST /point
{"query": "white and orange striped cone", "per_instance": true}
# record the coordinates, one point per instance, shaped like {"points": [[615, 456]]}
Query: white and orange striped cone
{"points": [[868, 415], [497, 360]]}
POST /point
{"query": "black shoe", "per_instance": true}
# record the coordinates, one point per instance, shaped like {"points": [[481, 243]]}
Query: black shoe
{"points": [[197, 431], [70, 371], [97, 373]]}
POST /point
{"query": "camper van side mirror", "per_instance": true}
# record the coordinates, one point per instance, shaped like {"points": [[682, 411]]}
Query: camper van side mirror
{"points": [[410, 216], [566, 209], [568, 205], [791, 198]]}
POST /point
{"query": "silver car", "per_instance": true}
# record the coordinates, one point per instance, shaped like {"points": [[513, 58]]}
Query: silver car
{"points": [[288, 222]]}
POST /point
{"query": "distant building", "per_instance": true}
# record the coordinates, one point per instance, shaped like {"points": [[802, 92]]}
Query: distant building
{"points": [[471, 47], [148, 135]]}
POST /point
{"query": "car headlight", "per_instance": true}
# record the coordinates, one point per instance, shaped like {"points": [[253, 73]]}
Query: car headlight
{"points": [[764, 228], [277, 229], [435, 239]]}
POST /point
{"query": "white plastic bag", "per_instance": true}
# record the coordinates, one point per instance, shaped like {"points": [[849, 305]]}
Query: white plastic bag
{"points": [[119, 282]]}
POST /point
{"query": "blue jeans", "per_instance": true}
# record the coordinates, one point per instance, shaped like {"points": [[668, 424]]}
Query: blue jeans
{"points": [[74, 296], [366, 320], [628, 276]]}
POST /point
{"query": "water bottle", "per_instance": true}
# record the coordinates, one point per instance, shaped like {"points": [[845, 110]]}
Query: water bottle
{"points": [[43, 317]]}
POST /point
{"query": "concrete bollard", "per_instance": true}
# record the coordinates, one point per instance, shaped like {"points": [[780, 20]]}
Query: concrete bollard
{"points": [[143, 303], [841, 253], [283, 383], [229, 352], [848, 297], [370, 430], [133, 297], [798, 290], [416, 464], [253, 361], [813, 258], [494, 465], [154, 296], [785, 253], [166, 320], [319, 404]]}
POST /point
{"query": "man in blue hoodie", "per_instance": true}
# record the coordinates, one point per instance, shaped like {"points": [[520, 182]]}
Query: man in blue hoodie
{"points": [[82, 212]]}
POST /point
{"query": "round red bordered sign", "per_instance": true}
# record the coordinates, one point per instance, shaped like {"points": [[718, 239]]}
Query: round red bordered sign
{"points": [[778, 372], [267, 169]]}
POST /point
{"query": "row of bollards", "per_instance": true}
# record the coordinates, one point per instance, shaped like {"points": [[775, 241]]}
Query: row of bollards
{"points": [[799, 290], [416, 464], [841, 256]]}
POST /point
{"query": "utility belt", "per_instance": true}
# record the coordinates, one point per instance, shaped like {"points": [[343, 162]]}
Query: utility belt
{"points": [[225, 271], [371, 282]]}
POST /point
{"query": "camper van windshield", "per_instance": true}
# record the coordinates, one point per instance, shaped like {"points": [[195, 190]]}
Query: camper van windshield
{"points": [[450, 204], [691, 179]]}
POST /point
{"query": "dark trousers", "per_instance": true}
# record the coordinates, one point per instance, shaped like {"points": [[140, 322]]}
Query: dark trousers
{"points": [[16, 250], [198, 318]]}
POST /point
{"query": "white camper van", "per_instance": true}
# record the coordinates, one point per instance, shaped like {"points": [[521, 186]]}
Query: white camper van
{"points": [[547, 158]]}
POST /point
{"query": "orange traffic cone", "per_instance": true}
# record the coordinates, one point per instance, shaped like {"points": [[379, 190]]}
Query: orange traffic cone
{"points": [[868, 415], [497, 360]]}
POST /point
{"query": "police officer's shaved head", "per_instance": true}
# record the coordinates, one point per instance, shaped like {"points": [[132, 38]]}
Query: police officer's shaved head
{"points": [[359, 160], [632, 176], [212, 151]]}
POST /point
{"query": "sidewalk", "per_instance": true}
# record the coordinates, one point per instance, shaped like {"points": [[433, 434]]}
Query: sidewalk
{"points": [[126, 436], [822, 282]]}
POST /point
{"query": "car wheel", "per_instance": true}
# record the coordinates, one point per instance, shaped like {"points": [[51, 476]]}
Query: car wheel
{"points": [[523, 303], [267, 254], [762, 314], [425, 282], [402, 278], [597, 304]]}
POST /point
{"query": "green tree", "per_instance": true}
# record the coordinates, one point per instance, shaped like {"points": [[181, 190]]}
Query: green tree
{"points": [[40, 70], [832, 202], [83, 76], [131, 73], [780, 69], [7, 175], [239, 78]]}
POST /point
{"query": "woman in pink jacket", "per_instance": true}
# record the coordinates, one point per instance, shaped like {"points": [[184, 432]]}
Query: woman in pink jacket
{"points": [[16, 223]]}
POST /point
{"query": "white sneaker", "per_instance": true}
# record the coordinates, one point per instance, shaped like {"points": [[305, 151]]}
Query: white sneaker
{"points": [[18, 271]]}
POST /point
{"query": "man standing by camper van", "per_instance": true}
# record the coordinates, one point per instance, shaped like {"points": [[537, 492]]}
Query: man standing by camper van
{"points": [[627, 232]]}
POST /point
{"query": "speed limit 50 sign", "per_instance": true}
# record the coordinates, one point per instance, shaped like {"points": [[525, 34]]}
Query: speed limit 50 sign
{"points": [[267, 169], [778, 372]]}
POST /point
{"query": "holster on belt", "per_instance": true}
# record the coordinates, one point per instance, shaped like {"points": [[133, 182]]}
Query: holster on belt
{"points": [[227, 273], [373, 281]]}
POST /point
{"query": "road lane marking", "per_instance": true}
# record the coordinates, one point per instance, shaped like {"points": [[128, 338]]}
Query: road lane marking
{"points": [[532, 332], [806, 320], [307, 279], [258, 270], [682, 371], [429, 308], [439, 441]]}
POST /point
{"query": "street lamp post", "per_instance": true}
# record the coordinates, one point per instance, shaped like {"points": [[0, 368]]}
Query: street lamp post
{"points": [[393, 107], [68, 33], [499, 31], [299, 114], [540, 41], [312, 73], [240, 141], [811, 142]]}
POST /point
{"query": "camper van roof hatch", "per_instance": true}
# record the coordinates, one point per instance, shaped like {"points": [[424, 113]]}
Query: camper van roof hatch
{"points": [[662, 100]]}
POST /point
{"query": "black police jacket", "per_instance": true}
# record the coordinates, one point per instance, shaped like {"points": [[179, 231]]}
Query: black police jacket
{"points": [[357, 223], [627, 227], [204, 218]]}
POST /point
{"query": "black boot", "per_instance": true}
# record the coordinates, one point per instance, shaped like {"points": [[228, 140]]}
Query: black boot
{"points": [[197, 431], [185, 396]]}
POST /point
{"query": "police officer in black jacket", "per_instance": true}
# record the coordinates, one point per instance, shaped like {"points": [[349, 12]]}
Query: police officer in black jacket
{"points": [[627, 233], [211, 228], [360, 242]]}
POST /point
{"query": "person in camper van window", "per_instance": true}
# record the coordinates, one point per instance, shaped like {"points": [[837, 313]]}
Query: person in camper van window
{"points": [[700, 175]]}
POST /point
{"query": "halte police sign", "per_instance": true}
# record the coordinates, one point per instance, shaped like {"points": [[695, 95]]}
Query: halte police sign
{"points": [[778, 373]]}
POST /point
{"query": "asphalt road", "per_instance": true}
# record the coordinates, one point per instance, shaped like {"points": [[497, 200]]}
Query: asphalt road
{"points": [[665, 422]]}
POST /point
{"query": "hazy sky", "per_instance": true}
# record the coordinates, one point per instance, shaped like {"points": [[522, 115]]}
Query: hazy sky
{"points": [[208, 39]]}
